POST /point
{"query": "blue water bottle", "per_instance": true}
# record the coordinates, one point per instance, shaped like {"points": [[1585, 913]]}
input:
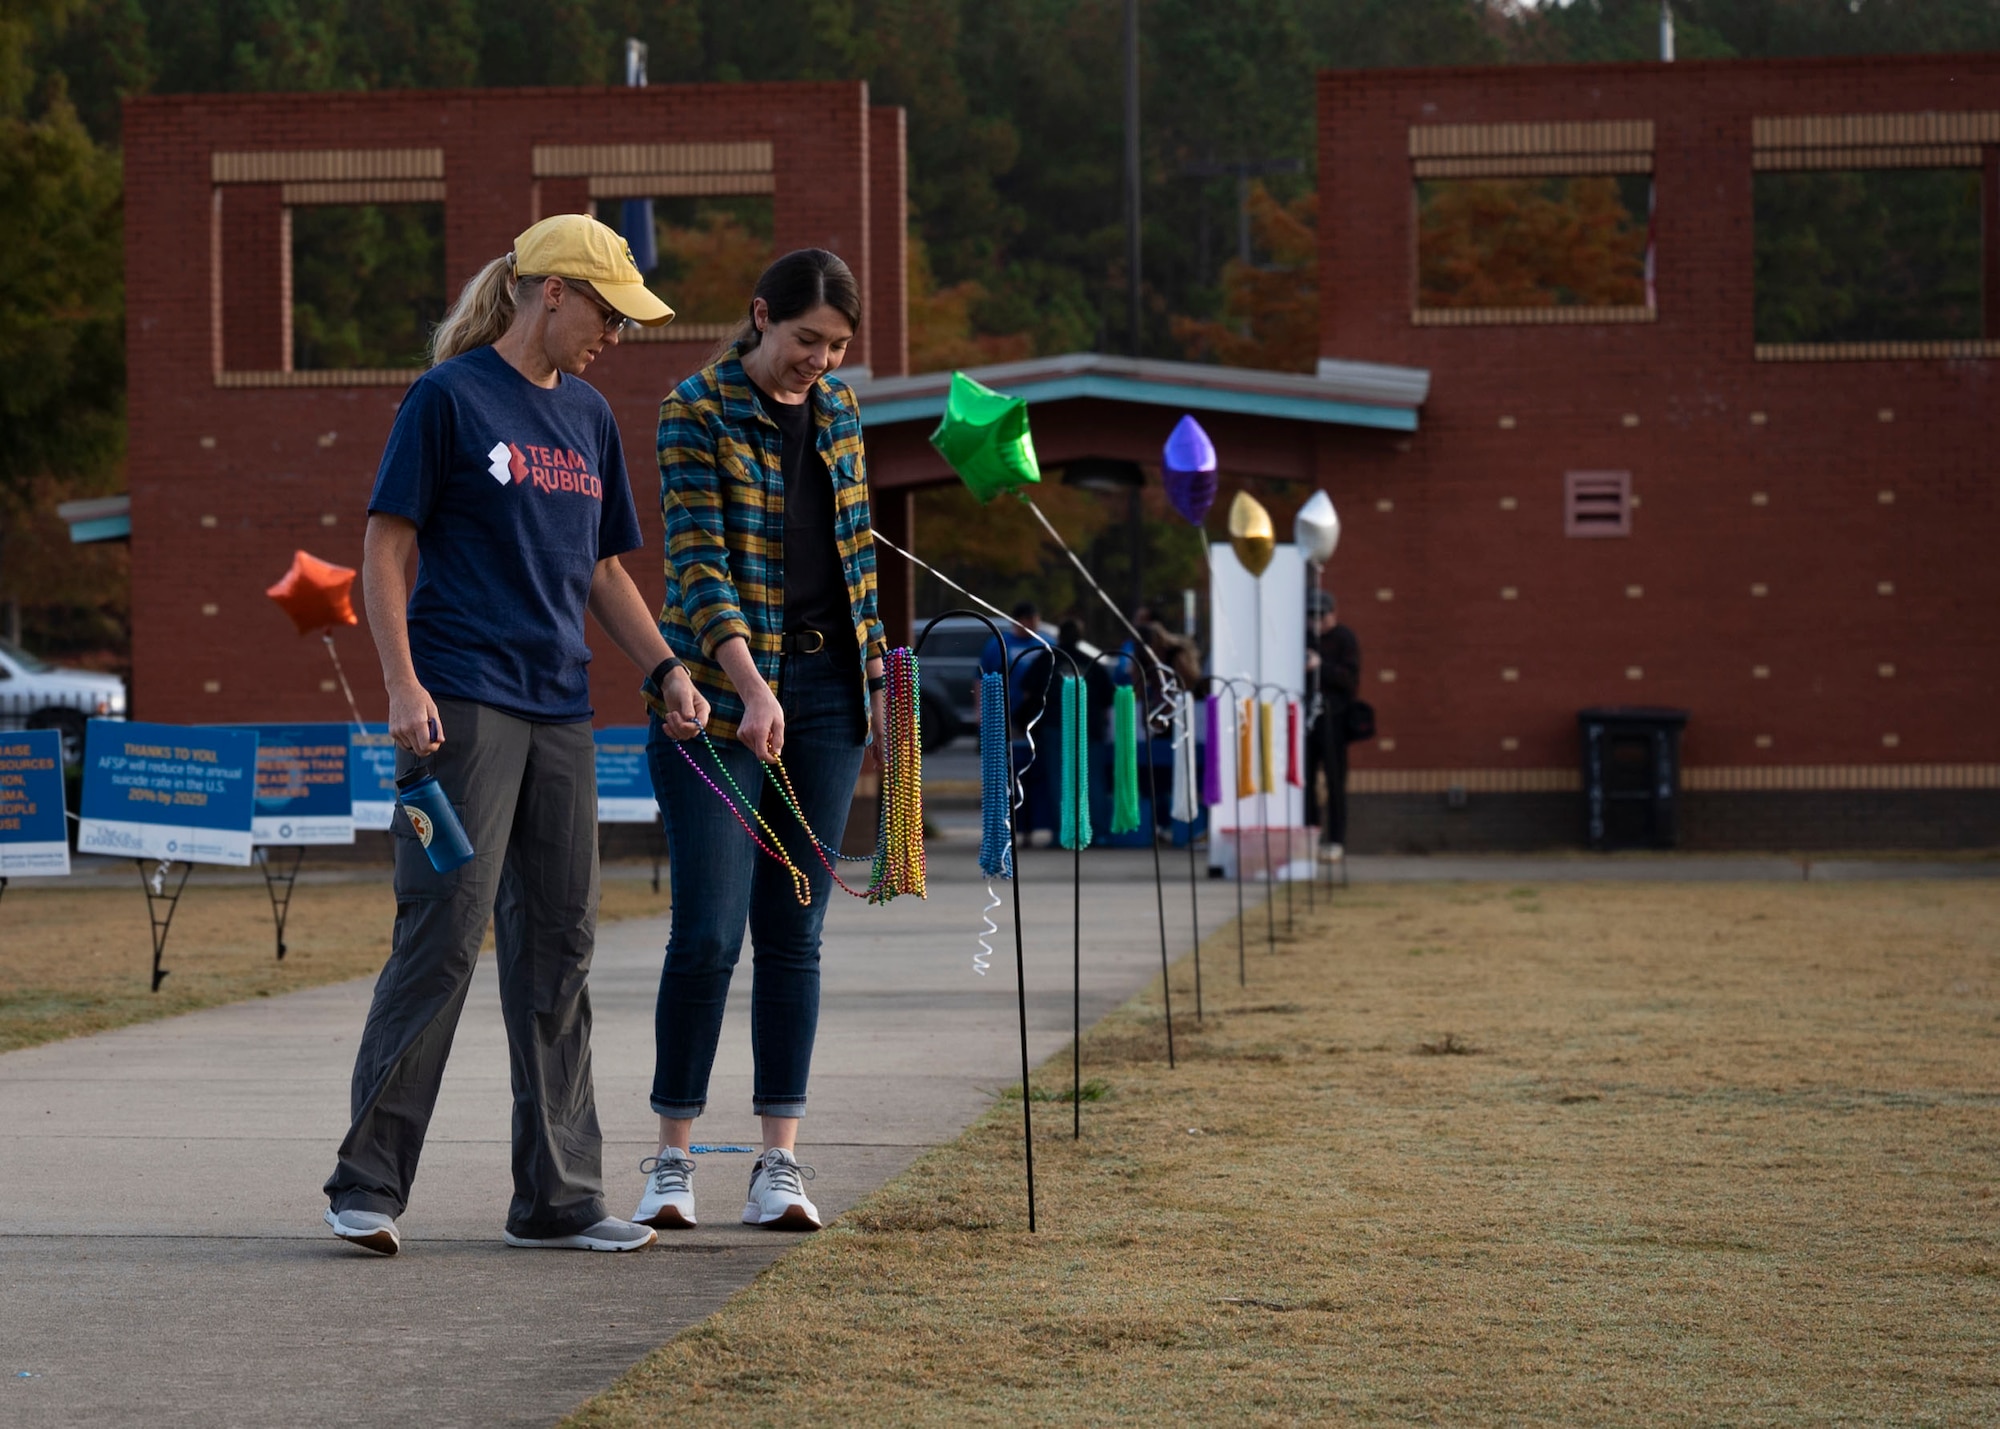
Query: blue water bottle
{"points": [[436, 822]]}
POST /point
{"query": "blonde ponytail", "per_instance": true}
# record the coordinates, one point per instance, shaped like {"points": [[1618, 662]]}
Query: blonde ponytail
{"points": [[484, 311]]}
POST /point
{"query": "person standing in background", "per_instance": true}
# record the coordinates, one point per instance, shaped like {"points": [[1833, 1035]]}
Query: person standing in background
{"points": [[1333, 658]]}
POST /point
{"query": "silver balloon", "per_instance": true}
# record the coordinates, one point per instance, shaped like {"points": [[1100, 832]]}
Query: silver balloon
{"points": [[1316, 529]]}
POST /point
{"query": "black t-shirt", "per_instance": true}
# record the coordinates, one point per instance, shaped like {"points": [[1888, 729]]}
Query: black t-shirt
{"points": [[815, 583]]}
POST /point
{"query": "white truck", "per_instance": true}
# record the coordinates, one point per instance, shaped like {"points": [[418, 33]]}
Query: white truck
{"points": [[37, 695]]}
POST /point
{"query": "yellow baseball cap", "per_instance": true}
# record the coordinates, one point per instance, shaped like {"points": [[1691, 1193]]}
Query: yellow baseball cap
{"points": [[575, 245]]}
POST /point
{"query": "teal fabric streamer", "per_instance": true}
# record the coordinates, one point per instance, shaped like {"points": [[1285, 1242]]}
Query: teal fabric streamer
{"points": [[1124, 761], [1075, 831], [996, 823]]}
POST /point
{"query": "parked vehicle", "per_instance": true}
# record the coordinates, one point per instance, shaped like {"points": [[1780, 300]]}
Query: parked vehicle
{"points": [[950, 666], [37, 695]]}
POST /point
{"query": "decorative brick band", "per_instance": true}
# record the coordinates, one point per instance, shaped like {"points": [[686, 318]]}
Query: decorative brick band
{"points": [[1857, 131], [1873, 351], [583, 161], [1706, 779], [1843, 776], [1453, 141], [1529, 166], [1473, 781], [1932, 156], [675, 185], [678, 331], [386, 191], [1504, 317], [280, 166], [324, 377]]}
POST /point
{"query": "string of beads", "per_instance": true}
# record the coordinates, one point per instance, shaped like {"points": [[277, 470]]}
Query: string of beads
{"points": [[996, 834], [898, 861]]}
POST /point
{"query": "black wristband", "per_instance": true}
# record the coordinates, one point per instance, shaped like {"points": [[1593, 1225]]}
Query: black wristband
{"points": [[666, 667], [877, 683]]}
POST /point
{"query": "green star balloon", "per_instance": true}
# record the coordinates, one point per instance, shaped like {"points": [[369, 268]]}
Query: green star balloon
{"points": [[984, 435]]}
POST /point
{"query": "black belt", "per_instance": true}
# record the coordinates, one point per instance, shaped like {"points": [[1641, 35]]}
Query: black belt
{"points": [[802, 642]]}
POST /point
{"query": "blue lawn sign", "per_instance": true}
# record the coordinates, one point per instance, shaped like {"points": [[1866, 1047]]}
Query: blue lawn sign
{"points": [[32, 837], [624, 788], [302, 786], [371, 775], [168, 791]]}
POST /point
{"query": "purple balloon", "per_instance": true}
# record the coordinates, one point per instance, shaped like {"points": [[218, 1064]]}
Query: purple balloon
{"points": [[1188, 469]]}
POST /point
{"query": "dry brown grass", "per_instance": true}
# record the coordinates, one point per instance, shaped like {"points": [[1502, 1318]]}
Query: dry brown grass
{"points": [[1696, 1154], [74, 961]]}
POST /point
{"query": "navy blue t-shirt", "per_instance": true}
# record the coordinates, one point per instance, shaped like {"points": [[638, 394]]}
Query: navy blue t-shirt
{"points": [[517, 492]]}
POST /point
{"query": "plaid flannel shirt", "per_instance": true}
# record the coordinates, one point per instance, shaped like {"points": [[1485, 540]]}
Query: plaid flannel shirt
{"points": [[722, 494]]}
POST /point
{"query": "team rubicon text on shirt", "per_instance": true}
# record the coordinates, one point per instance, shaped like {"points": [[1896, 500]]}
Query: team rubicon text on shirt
{"points": [[549, 468]]}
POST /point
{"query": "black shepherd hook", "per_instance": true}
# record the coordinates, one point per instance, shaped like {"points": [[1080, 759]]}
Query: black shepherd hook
{"points": [[1028, 652], [1230, 683], [1020, 959], [1153, 782], [1270, 913]]}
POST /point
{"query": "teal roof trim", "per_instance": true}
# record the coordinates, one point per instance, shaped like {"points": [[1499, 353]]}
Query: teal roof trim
{"points": [[109, 528], [1186, 397]]}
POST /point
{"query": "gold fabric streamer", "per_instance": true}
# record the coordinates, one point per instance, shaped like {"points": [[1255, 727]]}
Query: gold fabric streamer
{"points": [[1265, 781]]}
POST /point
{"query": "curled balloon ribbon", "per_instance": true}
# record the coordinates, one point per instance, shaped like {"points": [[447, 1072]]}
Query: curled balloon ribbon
{"points": [[982, 960]]}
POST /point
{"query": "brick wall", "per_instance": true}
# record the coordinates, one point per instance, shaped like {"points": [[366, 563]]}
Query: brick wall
{"points": [[1809, 569], [226, 481]]}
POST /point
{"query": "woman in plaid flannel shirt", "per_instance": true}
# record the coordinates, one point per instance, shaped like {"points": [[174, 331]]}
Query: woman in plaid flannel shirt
{"points": [[770, 599]]}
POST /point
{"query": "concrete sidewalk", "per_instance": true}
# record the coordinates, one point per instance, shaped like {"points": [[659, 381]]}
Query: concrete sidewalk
{"points": [[159, 1186]]}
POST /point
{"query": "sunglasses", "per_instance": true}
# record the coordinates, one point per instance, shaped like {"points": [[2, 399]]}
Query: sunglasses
{"points": [[614, 322]]}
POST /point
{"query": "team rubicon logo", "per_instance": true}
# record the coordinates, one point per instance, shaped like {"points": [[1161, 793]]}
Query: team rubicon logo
{"points": [[546, 468], [421, 822]]}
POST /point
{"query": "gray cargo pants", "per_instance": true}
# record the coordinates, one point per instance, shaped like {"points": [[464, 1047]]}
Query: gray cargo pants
{"points": [[528, 796]]}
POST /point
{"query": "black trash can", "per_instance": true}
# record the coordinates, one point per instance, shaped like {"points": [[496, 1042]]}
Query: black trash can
{"points": [[1631, 776]]}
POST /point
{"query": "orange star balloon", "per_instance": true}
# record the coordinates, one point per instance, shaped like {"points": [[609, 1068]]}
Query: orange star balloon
{"points": [[315, 593]]}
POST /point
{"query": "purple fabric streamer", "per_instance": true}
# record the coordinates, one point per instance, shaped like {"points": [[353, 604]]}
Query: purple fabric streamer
{"points": [[1211, 777]]}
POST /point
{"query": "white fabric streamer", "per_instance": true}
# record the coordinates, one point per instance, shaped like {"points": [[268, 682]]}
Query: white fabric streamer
{"points": [[1184, 806]]}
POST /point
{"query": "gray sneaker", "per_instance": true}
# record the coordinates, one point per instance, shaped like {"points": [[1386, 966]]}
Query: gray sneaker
{"points": [[668, 1202], [608, 1234], [371, 1230]]}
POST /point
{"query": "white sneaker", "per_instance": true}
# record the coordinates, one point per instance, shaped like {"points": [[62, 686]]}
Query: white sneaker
{"points": [[669, 1199], [371, 1230], [608, 1234], [1331, 853], [778, 1194]]}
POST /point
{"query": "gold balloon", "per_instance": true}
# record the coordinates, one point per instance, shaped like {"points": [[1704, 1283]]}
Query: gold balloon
{"points": [[1250, 533]]}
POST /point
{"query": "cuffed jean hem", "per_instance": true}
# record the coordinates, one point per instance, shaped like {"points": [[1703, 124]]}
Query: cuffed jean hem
{"points": [[678, 1111], [794, 1108]]}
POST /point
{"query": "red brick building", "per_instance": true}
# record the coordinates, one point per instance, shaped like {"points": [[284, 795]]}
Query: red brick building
{"points": [[1809, 562], [1799, 532], [236, 459]]}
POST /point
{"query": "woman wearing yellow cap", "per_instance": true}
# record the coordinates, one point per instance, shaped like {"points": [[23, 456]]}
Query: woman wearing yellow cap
{"points": [[504, 474], [770, 598]]}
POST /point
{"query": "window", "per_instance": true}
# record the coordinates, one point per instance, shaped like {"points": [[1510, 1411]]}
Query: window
{"points": [[709, 251], [1869, 256], [1597, 503], [1556, 242], [368, 284]]}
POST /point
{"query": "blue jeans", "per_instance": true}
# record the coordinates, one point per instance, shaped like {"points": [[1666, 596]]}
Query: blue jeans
{"points": [[721, 879]]}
